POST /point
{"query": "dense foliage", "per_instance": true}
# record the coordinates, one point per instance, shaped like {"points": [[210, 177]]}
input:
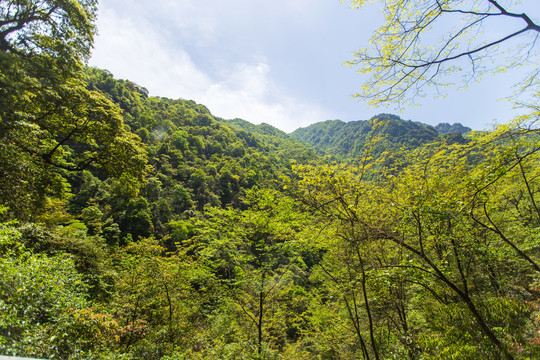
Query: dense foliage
{"points": [[137, 227], [346, 140]]}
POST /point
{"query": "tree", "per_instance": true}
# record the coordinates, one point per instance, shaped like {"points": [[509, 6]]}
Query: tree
{"points": [[356, 262], [405, 56], [45, 286], [50, 121], [157, 306], [252, 254], [431, 252], [55, 27]]}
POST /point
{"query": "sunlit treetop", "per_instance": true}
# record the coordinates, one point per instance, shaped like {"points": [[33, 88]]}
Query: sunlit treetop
{"points": [[422, 42], [56, 27]]}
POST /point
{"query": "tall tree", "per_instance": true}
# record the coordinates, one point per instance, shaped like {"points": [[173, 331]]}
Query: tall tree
{"points": [[55, 27], [50, 121], [252, 253]]}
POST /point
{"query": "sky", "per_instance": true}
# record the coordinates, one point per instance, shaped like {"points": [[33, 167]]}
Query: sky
{"points": [[275, 61]]}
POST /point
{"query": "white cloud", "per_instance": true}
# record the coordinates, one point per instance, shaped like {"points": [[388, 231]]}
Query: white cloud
{"points": [[260, 60], [249, 94], [132, 48]]}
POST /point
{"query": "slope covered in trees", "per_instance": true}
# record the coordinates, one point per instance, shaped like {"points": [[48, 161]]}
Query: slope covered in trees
{"points": [[194, 161], [242, 243], [137, 227], [349, 139]]}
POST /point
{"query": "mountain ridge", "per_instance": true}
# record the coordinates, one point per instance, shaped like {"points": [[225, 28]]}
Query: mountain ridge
{"points": [[347, 139]]}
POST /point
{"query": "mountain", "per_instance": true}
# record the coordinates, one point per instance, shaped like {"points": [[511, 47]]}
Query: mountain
{"points": [[347, 139], [222, 232], [195, 160], [457, 128], [138, 227], [275, 141]]}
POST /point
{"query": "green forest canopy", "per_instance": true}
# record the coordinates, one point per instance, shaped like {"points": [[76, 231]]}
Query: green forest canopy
{"points": [[138, 227]]}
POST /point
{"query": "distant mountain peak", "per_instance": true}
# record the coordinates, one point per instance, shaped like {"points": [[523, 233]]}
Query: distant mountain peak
{"points": [[347, 139], [446, 128]]}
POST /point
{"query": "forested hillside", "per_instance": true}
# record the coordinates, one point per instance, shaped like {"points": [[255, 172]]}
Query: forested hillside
{"points": [[348, 140], [139, 227], [194, 159]]}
